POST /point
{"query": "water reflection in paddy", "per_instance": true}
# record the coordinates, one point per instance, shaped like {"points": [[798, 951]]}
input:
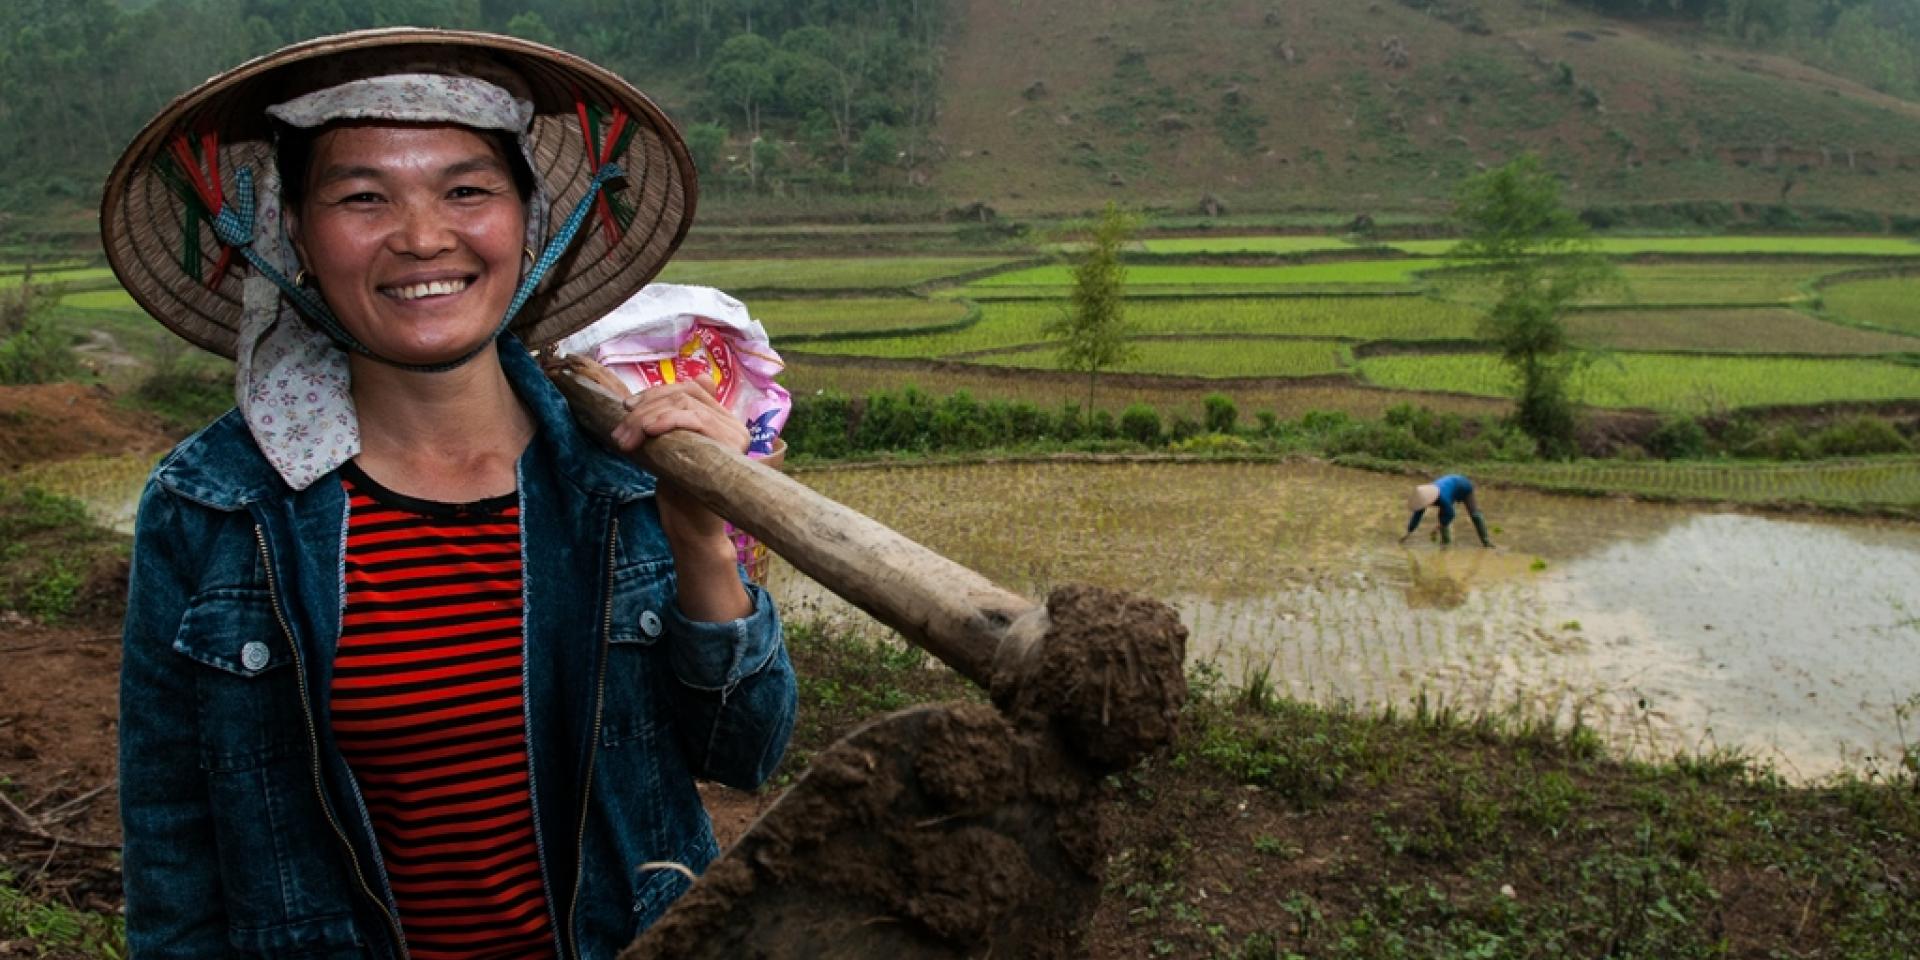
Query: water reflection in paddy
{"points": [[1666, 627]]}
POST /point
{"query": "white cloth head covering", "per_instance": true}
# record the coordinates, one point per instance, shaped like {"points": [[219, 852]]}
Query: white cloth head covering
{"points": [[291, 380]]}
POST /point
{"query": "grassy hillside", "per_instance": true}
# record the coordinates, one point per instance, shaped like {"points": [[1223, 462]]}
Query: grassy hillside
{"points": [[1376, 105]]}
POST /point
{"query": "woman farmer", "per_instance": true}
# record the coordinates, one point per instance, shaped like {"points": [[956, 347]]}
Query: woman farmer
{"points": [[1444, 493], [412, 668]]}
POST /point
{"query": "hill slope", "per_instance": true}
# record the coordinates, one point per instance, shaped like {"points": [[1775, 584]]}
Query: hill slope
{"points": [[1060, 105]]}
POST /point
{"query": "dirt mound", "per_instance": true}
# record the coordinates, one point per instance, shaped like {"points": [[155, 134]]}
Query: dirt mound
{"points": [[939, 831], [60, 421]]}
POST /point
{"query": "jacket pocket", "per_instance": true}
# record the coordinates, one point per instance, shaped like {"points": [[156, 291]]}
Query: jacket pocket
{"points": [[281, 874], [635, 652]]}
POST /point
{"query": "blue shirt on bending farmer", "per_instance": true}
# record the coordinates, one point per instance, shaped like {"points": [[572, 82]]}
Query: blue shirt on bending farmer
{"points": [[1444, 493]]}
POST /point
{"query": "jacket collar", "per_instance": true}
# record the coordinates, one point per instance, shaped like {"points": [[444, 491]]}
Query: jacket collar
{"points": [[221, 467]]}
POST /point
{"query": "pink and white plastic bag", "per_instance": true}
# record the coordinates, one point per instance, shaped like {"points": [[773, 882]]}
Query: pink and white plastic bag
{"points": [[669, 332]]}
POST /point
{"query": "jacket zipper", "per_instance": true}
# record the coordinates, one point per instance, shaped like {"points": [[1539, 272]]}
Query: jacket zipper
{"points": [[593, 744], [313, 741]]}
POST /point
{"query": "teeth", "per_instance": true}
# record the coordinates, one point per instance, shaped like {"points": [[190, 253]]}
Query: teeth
{"points": [[437, 288]]}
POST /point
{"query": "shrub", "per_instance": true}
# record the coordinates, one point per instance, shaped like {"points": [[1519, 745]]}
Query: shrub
{"points": [[186, 398], [1858, 437], [1323, 422], [958, 423], [1269, 423], [1221, 415], [1103, 427], [1183, 427], [1432, 429], [1141, 424], [34, 347], [1678, 438], [1381, 440], [819, 426]]}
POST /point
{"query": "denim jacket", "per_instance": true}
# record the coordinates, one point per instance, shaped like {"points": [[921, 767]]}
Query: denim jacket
{"points": [[245, 832]]}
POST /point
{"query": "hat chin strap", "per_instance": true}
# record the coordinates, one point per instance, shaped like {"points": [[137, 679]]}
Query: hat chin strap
{"points": [[234, 226]]}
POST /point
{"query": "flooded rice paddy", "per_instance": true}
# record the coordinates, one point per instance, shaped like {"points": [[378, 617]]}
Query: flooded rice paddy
{"points": [[1666, 628]]}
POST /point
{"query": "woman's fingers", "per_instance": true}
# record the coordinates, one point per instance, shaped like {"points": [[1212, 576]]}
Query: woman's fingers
{"points": [[678, 406]]}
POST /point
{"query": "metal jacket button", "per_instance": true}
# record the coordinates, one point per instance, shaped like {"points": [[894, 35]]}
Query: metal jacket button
{"points": [[650, 623], [254, 656]]}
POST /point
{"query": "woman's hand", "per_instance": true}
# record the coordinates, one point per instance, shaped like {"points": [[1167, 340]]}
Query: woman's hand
{"points": [[704, 559]]}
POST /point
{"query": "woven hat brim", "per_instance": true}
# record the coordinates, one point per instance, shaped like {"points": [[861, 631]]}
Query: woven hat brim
{"points": [[142, 220], [1422, 497]]}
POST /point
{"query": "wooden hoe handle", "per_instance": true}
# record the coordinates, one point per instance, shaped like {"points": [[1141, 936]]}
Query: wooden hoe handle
{"points": [[950, 611]]}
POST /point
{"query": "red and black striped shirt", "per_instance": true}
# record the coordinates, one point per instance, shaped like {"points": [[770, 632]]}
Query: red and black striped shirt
{"points": [[427, 710]]}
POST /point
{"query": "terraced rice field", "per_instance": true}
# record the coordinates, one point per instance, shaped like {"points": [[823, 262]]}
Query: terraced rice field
{"points": [[1661, 626], [1890, 303], [1247, 246], [1206, 358], [1691, 384], [1760, 330], [1350, 318], [838, 316], [115, 299], [1880, 483], [869, 273], [85, 276], [1719, 246], [859, 376], [1356, 273]]}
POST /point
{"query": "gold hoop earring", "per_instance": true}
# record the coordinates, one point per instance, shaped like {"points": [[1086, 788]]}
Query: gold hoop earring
{"points": [[300, 277], [531, 259]]}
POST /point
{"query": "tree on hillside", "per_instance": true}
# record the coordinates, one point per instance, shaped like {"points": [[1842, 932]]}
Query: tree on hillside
{"points": [[1538, 258], [1092, 331]]}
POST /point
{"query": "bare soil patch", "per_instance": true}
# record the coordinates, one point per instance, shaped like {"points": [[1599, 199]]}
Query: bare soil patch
{"points": [[40, 423]]}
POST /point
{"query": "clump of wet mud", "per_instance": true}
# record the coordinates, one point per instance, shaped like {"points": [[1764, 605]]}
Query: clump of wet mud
{"points": [[940, 831], [1110, 673]]}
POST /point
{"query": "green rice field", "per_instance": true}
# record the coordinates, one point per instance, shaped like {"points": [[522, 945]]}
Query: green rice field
{"points": [[115, 299], [1374, 273], [1690, 384], [853, 315], [1258, 245], [85, 275], [1000, 325], [1719, 246], [1205, 358], [869, 273], [1891, 303], [1755, 330], [1353, 318]]}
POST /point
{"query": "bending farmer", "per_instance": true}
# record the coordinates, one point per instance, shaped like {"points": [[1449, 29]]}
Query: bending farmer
{"points": [[1445, 492]]}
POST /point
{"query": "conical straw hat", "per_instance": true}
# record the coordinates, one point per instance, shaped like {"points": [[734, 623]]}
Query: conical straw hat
{"points": [[1422, 497], [144, 221]]}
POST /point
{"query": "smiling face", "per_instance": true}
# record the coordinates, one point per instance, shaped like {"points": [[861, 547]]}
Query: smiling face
{"points": [[413, 235]]}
